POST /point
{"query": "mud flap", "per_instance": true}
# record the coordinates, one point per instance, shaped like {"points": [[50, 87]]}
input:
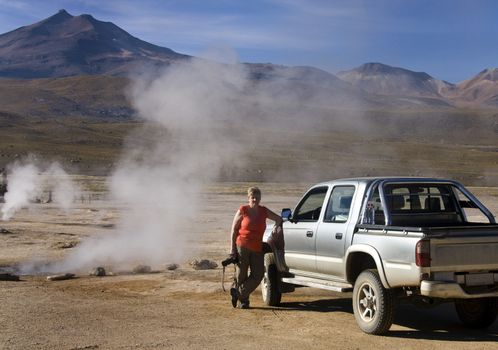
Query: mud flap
{"points": [[277, 244], [279, 258]]}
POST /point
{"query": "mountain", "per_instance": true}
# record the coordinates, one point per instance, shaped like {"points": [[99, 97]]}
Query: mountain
{"points": [[306, 84], [382, 79], [66, 45], [481, 89], [323, 89], [63, 45], [394, 83]]}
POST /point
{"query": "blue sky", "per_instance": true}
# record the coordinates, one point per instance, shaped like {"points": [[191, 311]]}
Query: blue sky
{"points": [[450, 39]]}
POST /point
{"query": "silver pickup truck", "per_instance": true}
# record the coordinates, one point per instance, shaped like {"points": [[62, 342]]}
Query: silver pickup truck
{"points": [[386, 239]]}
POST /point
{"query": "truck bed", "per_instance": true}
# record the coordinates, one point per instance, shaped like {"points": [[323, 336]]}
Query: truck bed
{"points": [[464, 228]]}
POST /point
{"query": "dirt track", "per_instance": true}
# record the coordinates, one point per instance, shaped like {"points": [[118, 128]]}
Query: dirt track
{"points": [[186, 308]]}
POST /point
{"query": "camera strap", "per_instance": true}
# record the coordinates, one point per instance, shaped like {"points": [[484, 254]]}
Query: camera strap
{"points": [[234, 283]]}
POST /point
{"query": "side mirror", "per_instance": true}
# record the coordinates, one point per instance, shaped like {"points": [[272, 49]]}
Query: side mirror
{"points": [[286, 214]]}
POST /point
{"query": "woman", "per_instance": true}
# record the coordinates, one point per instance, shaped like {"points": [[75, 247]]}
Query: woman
{"points": [[248, 227]]}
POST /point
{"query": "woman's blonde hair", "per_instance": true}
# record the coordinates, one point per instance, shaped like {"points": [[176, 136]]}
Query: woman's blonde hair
{"points": [[255, 191]]}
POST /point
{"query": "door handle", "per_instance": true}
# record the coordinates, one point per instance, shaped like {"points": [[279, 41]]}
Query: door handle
{"points": [[309, 233], [338, 235]]}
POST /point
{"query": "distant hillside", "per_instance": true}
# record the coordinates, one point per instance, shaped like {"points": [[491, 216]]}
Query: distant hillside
{"points": [[396, 83], [308, 84], [481, 89], [64, 45], [101, 97], [382, 79]]}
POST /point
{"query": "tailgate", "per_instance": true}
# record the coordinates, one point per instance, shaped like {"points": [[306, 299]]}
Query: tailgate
{"points": [[465, 250]]}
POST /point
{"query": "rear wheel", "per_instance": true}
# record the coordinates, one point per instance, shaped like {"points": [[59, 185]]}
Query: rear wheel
{"points": [[270, 283], [477, 313], [373, 305]]}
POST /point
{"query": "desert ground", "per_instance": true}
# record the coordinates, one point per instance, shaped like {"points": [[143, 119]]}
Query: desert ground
{"points": [[186, 308]]}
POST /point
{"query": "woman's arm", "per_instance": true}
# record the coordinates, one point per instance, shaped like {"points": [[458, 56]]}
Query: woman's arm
{"points": [[235, 231], [272, 216]]}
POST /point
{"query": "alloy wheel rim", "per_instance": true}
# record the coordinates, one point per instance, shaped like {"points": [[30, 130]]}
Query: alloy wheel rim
{"points": [[367, 302]]}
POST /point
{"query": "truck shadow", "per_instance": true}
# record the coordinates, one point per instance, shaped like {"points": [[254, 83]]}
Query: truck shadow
{"points": [[321, 305], [437, 323]]}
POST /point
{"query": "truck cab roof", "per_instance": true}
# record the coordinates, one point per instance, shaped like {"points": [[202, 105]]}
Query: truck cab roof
{"points": [[370, 179]]}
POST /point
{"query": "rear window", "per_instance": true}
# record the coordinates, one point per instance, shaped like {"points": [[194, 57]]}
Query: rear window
{"points": [[417, 198]]}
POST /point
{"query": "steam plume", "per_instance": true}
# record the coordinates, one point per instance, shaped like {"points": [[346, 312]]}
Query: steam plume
{"points": [[165, 164], [23, 186], [28, 182]]}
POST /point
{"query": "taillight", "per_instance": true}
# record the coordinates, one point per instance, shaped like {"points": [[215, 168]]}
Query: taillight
{"points": [[423, 253]]}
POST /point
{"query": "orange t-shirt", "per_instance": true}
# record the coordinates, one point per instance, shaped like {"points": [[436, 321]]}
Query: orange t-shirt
{"points": [[252, 229]]}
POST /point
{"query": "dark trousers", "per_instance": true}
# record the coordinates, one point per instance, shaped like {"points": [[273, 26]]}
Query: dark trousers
{"points": [[253, 261]]}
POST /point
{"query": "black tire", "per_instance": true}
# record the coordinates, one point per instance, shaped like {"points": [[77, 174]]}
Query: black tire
{"points": [[477, 313], [373, 305], [270, 284]]}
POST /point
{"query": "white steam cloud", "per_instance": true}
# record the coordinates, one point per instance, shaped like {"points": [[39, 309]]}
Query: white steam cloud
{"points": [[24, 185], [65, 191], [28, 182], [165, 165]]}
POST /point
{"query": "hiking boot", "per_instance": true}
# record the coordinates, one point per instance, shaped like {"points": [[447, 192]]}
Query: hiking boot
{"points": [[244, 305], [235, 296]]}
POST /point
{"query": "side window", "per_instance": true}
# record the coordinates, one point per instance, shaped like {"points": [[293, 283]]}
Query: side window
{"points": [[339, 204], [310, 207]]}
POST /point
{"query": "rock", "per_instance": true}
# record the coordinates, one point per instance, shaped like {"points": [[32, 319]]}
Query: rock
{"points": [[172, 267], [8, 277], [203, 264], [99, 271], [4, 231], [65, 245], [142, 269], [64, 276]]}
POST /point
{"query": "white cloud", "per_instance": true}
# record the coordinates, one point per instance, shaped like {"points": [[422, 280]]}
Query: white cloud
{"points": [[165, 27]]}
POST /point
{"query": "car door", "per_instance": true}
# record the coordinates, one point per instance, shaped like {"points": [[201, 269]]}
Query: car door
{"points": [[331, 234], [300, 231]]}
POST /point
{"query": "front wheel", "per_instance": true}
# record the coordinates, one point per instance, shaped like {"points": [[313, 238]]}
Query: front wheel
{"points": [[269, 285], [373, 305], [477, 313]]}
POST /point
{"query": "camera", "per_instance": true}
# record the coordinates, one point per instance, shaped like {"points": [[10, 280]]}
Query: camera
{"points": [[230, 260]]}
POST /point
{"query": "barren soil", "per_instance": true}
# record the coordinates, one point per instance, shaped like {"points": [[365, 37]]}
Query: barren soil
{"points": [[186, 308]]}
